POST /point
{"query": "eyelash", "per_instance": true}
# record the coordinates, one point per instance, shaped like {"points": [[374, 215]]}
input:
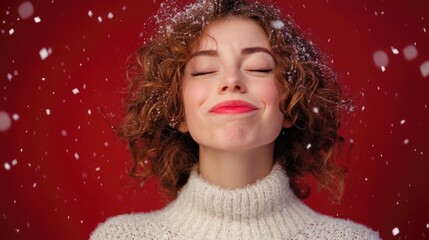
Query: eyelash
{"points": [[262, 70], [196, 74]]}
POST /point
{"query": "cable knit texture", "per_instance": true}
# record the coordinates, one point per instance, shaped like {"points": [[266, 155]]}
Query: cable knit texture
{"points": [[267, 209]]}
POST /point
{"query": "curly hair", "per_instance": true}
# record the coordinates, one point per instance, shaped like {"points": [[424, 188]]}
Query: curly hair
{"points": [[312, 100]]}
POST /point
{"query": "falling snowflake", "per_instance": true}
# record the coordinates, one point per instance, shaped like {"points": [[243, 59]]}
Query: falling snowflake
{"points": [[394, 50], [410, 52], [15, 117], [278, 24], [44, 53], [380, 58], [424, 69], [316, 110], [395, 231], [7, 166], [64, 133], [5, 121], [25, 10], [9, 76]]}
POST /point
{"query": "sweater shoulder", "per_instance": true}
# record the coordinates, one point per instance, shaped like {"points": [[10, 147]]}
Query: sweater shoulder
{"points": [[335, 228], [129, 226]]}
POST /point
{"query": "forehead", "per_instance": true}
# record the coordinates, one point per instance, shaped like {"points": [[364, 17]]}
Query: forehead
{"points": [[234, 31]]}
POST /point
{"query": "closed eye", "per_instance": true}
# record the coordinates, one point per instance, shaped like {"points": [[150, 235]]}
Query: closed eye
{"points": [[262, 70], [196, 74]]}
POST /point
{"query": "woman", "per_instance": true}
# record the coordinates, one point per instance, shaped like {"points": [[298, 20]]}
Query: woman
{"points": [[228, 105]]}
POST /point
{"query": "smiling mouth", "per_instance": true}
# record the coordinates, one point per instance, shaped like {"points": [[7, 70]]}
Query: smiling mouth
{"points": [[233, 107]]}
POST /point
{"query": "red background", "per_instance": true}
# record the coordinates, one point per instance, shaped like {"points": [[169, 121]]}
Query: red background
{"points": [[51, 194]]}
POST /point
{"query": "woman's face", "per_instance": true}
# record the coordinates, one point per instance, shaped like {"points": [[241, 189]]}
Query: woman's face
{"points": [[230, 94]]}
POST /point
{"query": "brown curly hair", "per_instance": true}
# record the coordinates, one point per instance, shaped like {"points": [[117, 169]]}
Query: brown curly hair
{"points": [[312, 100]]}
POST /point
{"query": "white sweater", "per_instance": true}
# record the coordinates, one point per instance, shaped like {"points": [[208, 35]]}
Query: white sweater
{"points": [[267, 209]]}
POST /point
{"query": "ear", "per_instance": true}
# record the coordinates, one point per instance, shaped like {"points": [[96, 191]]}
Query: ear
{"points": [[183, 127], [287, 123]]}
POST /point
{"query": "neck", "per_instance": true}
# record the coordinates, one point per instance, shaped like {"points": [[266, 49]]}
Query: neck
{"points": [[235, 169]]}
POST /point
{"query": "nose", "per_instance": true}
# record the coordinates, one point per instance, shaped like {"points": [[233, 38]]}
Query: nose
{"points": [[233, 81]]}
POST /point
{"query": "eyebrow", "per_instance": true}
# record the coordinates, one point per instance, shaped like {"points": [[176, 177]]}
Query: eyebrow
{"points": [[247, 51], [208, 53], [244, 51]]}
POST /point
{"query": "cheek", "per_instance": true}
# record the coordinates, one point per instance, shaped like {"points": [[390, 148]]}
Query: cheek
{"points": [[194, 95], [270, 94]]}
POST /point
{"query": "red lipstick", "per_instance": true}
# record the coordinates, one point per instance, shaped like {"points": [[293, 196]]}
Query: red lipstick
{"points": [[233, 107]]}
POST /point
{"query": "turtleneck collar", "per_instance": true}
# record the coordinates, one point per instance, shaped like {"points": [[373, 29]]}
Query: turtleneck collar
{"points": [[255, 200], [205, 209]]}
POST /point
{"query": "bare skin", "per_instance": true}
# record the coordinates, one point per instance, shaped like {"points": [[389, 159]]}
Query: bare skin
{"points": [[231, 103]]}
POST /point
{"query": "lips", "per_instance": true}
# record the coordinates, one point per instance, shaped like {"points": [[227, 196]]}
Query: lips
{"points": [[233, 107]]}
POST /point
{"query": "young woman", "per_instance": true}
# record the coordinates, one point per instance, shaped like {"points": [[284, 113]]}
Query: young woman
{"points": [[228, 105]]}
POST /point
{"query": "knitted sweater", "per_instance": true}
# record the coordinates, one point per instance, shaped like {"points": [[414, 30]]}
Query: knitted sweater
{"points": [[267, 209]]}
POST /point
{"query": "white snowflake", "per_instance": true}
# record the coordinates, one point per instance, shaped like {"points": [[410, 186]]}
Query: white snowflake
{"points": [[394, 50], [410, 52], [37, 19], [9, 76], [316, 110], [278, 24], [424, 69], [5, 121], [44, 53], [7, 166], [15, 117], [25, 10], [395, 231], [380, 58]]}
